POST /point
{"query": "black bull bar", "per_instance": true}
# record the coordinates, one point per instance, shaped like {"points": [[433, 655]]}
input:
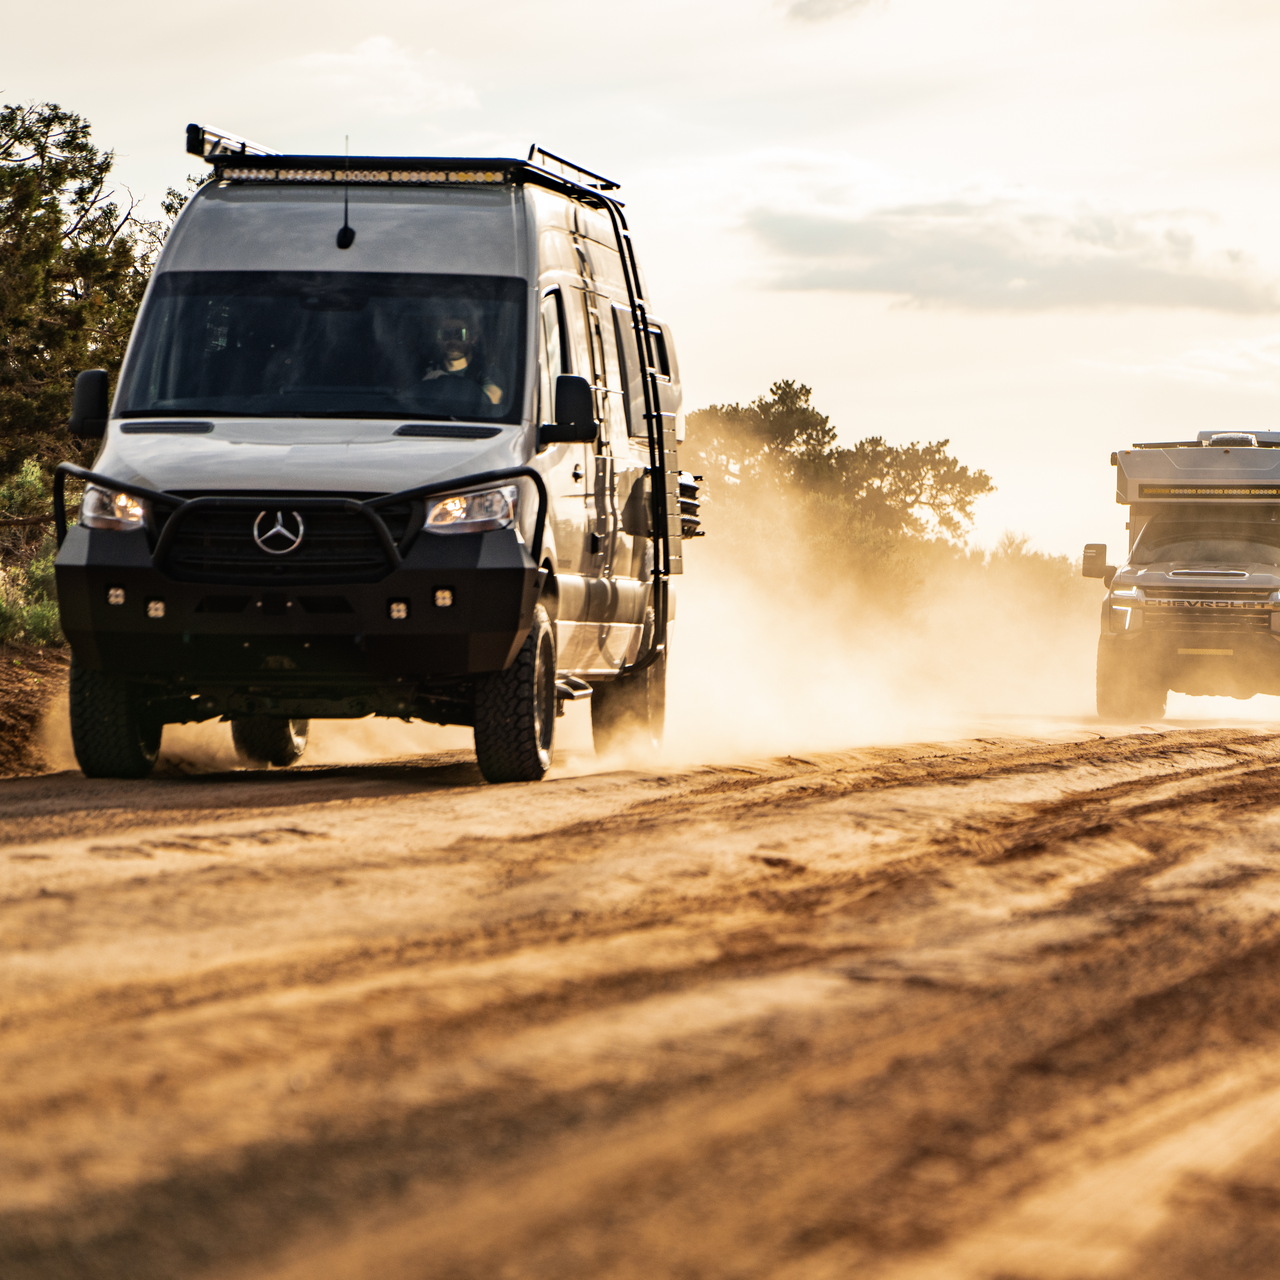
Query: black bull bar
{"points": [[180, 508]]}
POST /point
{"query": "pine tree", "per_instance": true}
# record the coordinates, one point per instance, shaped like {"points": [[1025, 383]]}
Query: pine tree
{"points": [[74, 261]]}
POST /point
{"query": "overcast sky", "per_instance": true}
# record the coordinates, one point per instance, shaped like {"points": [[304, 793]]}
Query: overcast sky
{"points": [[1041, 231]]}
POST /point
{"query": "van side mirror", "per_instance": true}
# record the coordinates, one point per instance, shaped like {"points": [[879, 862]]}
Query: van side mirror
{"points": [[575, 412], [89, 404]]}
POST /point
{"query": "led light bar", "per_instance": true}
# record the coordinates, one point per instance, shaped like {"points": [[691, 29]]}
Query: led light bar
{"points": [[1163, 492], [234, 173]]}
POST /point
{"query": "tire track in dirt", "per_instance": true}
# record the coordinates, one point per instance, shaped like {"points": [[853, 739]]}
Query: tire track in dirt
{"points": [[805, 1017]]}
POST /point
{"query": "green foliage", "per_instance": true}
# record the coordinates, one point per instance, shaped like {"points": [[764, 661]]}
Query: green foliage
{"points": [[74, 262], [64, 262], [28, 598], [26, 492]]}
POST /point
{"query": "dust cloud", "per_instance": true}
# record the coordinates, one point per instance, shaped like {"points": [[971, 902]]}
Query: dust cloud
{"points": [[800, 651], [774, 658], [207, 747], [785, 656]]}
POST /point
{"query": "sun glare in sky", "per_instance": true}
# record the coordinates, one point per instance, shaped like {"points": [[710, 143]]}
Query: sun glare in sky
{"points": [[1039, 231]]}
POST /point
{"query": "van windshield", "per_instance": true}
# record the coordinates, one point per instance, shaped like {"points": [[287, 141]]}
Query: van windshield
{"points": [[1208, 542], [328, 344]]}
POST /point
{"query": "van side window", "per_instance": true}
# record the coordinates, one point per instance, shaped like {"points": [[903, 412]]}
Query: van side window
{"points": [[594, 346], [553, 353], [658, 360], [632, 389]]}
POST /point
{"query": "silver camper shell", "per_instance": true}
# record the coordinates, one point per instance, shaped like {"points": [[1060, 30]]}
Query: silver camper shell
{"points": [[1195, 606]]}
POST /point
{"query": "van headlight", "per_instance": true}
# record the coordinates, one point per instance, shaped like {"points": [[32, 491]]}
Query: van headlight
{"points": [[103, 509], [473, 512]]}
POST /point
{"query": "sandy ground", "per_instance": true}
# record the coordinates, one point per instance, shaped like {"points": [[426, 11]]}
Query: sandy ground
{"points": [[997, 1009]]}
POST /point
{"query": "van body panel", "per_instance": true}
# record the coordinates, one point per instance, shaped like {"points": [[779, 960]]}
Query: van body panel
{"points": [[326, 455]]}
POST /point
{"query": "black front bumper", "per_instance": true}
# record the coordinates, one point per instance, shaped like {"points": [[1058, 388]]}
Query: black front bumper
{"points": [[234, 634]]}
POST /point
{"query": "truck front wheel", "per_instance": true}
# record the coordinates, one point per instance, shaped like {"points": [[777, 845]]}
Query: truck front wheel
{"points": [[270, 739], [1128, 688], [516, 710], [112, 735]]}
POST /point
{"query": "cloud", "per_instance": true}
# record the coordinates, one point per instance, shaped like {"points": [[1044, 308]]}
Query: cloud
{"points": [[820, 10], [1243, 364], [1002, 254], [379, 75]]}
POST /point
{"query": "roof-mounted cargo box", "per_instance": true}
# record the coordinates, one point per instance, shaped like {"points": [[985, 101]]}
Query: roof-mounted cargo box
{"points": [[1217, 469]]}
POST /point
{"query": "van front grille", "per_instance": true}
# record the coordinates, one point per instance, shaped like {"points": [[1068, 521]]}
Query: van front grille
{"points": [[217, 546]]}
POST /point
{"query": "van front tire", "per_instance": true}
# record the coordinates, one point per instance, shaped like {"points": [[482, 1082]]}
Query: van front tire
{"points": [[516, 710], [110, 731]]}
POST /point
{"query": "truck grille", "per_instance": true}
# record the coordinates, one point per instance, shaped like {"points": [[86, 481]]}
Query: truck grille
{"points": [[337, 546], [1232, 609]]}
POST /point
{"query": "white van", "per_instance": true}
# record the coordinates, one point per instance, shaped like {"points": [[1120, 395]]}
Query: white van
{"points": [[393, 436]]}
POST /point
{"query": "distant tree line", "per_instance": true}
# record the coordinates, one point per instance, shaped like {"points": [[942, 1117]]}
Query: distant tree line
{"points": [[874, 518]]}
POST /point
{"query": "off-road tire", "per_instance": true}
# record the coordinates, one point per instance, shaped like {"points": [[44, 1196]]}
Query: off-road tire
{"points": [[110, 731], [631, 711], [516, 710], [270, 740], [1128, 690]]}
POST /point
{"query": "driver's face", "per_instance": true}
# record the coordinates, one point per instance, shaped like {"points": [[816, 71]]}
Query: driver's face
{"points": [[456, 337]]}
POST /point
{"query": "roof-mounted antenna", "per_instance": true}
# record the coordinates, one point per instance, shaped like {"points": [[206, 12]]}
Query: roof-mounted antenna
{"points": [[346, 236]]}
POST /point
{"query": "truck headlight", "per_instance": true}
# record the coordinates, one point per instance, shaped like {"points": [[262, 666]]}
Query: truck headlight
{"points": [[473, 512], [103, 509], [1126, 609]]}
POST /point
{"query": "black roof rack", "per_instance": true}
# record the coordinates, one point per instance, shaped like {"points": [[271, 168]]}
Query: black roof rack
{"points": [[596, 181], [208, 143], [239, 160]]}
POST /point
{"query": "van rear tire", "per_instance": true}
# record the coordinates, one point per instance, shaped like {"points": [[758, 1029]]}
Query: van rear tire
{"points": [[631, 710], [516, 710], [270, 740], [110, 731]]}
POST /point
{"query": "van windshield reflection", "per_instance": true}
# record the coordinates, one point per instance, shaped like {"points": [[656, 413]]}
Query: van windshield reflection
{"points": [[331, 344]]}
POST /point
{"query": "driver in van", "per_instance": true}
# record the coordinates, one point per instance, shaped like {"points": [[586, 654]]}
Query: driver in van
{"points": [[457, 341]]}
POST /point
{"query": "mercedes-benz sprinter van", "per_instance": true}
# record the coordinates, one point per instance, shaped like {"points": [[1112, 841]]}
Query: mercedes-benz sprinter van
{"points": [[393, 436]]}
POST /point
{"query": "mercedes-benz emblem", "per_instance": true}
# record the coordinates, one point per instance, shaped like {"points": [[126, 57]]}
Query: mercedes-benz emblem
{"points": [[283, 536]]}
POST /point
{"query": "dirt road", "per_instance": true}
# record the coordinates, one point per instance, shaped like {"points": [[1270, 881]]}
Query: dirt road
{"points": [[990, 1009]]}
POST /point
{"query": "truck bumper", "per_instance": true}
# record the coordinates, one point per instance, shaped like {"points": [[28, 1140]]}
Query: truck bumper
{"points": [[1209, 661]]}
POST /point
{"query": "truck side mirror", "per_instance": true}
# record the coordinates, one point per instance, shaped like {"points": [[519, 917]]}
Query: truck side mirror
{"points": [[1093, 563], [89, 405], [575, 412]]}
